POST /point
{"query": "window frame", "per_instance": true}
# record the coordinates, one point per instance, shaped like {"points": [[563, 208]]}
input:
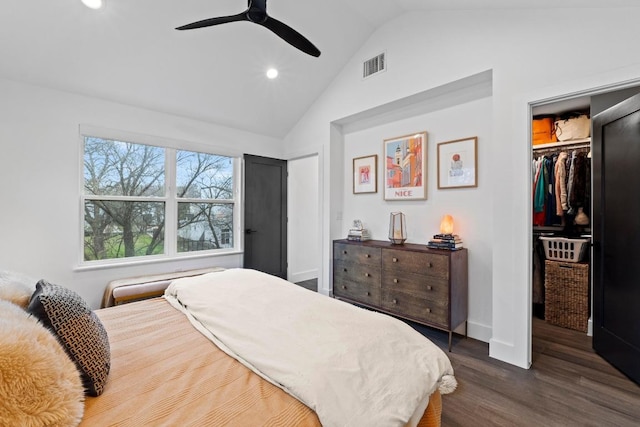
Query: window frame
{"points": [[170, 197]]}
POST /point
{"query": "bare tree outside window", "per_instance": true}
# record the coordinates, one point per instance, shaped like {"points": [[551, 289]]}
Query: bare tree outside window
{"points": [[126, 200], [120, 180], [205, 207]]}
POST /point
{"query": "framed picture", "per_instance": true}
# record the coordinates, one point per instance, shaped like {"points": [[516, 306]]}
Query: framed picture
{"points": [[458, 163], [405, 167], [365, 178]]}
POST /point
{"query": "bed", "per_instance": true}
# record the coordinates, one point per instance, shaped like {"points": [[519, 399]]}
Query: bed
{"points": [[170, 365]]}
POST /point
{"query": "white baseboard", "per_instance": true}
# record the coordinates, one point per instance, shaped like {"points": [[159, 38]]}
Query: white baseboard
{"points": [[505, 352], [301, 276], [479, 331]]}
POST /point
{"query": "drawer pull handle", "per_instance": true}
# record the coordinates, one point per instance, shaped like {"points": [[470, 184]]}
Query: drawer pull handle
{"points": [[368, 293], [395, 301], [395, 280], [429, 287], [343, 287], [344, 252], [429, 265], [428, 310], [368, 256], [345, 270], [367, 275], [395, 259]]}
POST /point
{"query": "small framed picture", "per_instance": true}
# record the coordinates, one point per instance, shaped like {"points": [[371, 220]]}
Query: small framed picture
{"points": [[365, 178], [458, 163], [405, 167]]}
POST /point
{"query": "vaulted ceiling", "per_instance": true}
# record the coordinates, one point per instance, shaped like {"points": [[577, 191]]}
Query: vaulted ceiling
{"points": [[129, 52]]}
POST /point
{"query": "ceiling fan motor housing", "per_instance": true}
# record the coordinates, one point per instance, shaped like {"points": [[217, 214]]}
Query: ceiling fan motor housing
{"points": [[257, 11]]}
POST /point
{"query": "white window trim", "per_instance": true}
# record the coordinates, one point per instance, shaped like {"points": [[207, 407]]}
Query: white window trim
{"points": [[170, 199]]}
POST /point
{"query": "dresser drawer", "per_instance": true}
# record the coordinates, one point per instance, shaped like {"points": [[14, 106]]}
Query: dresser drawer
{"points": [[357, 254], [366, 275], [434, 312], [398, 261], [416, 285], [364, 289]]}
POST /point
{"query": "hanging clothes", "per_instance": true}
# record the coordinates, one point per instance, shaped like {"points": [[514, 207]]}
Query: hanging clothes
{"points": [[579, 184], [551, 215], [571, 184], [561, 184], [539, 194]]}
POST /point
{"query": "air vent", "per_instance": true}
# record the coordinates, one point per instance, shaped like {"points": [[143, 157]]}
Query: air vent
{"points": [[373, 66]]}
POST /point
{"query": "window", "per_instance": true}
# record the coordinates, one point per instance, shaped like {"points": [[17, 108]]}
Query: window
{"points": [[143, 200], [204, 187]]}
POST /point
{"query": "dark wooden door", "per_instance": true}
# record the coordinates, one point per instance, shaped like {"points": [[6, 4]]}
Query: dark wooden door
{"points": [[616, 236], [265, 220]]}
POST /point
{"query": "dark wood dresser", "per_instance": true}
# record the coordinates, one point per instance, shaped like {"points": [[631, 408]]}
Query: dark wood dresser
{"points": [[411, 281]]}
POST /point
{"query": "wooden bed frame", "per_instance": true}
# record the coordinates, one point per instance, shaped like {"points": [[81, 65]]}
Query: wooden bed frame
{"points": [[142, 287]]}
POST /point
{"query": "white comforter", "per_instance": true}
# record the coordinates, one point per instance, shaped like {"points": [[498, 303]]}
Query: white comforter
{"points": [[353, 367]]}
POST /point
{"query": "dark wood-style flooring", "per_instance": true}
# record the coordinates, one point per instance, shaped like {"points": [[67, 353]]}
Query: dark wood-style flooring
{"points": [[568, 384]]}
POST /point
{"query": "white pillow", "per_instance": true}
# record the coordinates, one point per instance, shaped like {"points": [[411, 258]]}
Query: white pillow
{"points": [[16, 288]]}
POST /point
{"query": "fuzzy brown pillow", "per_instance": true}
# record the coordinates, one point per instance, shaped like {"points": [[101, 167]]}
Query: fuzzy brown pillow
{"points": [[39, 384]]}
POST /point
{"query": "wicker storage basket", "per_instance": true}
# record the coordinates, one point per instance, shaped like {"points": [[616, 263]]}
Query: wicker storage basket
{"points": [[566, 292]]}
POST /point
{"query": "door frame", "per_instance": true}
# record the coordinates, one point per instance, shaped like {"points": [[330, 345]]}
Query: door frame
{"points": [[600, 84], [317, 152]]}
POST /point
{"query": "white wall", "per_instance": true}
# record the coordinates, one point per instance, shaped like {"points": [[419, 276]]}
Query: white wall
{"points": [[302, 231], [40, 180], [541, 52], [423, 216]]}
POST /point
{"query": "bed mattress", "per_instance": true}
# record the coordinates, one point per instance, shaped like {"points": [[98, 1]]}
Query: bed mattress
{"points": [[165, 372]]}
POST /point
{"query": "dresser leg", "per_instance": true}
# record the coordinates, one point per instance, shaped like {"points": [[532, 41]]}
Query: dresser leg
{"points": [[450, 334]]}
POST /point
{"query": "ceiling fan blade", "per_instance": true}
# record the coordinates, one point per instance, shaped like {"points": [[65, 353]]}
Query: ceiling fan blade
{"points": [[215, 21], [290, 35]]}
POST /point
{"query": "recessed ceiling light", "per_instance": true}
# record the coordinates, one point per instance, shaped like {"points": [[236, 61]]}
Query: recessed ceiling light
{"points": [[93, 4], [272, 73]]}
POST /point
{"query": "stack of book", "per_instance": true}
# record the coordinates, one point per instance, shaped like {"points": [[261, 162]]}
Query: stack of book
{"points": [[359, 234], [451, 242]]}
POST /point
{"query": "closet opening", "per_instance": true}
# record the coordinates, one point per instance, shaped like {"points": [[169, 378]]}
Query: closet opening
{"points": [[561, 234], [562, 214]]}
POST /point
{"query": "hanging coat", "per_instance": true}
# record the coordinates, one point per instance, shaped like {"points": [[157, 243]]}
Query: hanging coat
{"points": [[561, 184]]}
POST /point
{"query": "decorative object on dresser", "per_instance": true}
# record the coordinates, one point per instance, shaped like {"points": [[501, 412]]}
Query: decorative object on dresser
{"points": [[446, 225], [405, 167], [357, 232], [458, 163], [411, 281], [446, 239], [397, 228], [449, 242]]}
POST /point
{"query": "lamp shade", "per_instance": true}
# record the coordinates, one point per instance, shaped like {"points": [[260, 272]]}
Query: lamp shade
{"points": [[397, 228], [446, 225]]}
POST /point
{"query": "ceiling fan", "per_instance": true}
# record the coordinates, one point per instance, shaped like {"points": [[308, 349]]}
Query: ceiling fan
{"points": [[257, 13]]}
